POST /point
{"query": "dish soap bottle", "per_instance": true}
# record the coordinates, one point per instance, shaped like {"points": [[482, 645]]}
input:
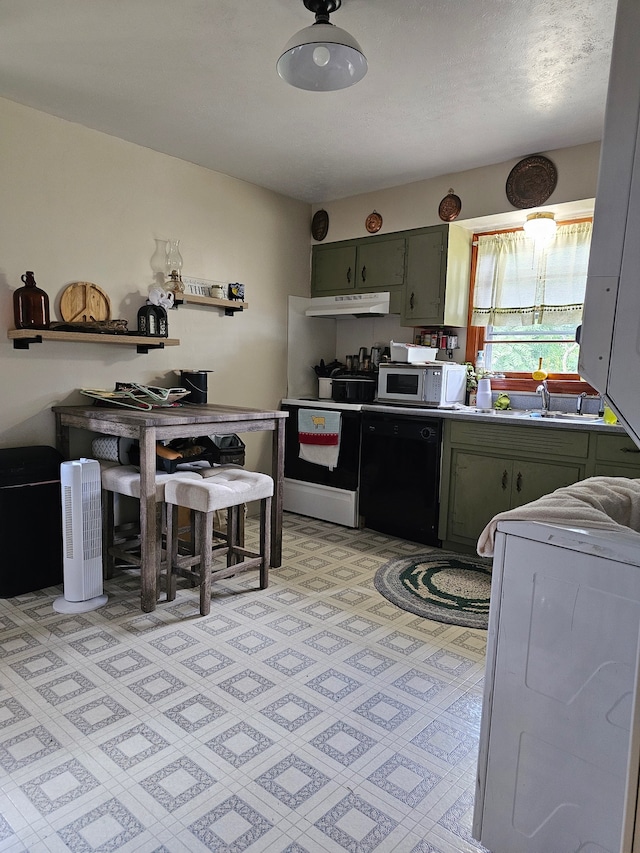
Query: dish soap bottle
{"points": [[30, 305], [479, 366]]}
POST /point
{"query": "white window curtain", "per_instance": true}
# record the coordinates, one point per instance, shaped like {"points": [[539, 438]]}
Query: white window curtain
{"points": [[521, 283]]}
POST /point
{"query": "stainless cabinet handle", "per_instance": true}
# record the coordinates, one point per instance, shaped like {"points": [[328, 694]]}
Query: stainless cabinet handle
{"points": [[349, 276], [630, 450], [364, 273], [505, 479], [519, 482], [411, 301]]}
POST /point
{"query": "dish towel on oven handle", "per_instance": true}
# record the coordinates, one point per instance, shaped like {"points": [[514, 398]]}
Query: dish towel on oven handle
{"points": [[319, 436]]}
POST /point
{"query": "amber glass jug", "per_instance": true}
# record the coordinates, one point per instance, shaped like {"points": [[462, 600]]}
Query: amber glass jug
{"points": [[30, 305]]}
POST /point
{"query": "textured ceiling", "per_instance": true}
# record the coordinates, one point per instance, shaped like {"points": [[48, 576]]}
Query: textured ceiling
{"points": [[452, 84]]}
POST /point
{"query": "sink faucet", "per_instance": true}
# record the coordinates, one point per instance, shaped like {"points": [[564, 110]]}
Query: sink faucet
{"points": [[543, 390], [579, 402]]}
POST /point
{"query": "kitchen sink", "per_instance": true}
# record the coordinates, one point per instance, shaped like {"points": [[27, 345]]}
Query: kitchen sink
{"points": [[564, 416], [536, 414], [509, 413]]}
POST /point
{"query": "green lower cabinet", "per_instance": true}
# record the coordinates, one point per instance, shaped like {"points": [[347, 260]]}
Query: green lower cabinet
{"points": [[491, 468], [479, 490], [532, 480], [616, 456], [481, 486], [606, 469]]}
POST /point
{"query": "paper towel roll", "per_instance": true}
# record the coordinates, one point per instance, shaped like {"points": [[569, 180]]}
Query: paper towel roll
{"points": [[324, 387]]}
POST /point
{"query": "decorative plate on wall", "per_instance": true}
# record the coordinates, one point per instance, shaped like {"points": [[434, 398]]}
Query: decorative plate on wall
{"points": [[450, 207], [531, 182], [373, 222], [320, 225]]}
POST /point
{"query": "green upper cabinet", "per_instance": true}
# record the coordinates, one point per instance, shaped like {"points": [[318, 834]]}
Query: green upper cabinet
{"points": [[437, 280], [426, 270], [358, 266], [380, 264], [333, 269]]}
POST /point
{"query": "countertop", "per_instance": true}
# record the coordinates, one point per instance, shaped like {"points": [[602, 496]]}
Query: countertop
{"points": [[511, 416]]}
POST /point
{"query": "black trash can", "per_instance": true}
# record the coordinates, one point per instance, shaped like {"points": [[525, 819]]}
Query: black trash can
{"points": [[30, 519]]}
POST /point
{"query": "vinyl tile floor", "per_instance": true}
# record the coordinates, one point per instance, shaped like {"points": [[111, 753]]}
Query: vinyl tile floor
{"points": [[310, 717]]}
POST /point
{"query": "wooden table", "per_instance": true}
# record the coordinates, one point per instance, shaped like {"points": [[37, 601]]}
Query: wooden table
{"points": [[187, 421]]}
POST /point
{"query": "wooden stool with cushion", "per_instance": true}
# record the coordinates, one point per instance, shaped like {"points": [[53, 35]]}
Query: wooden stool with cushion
{"points": [[123, 542], [229, 488]]}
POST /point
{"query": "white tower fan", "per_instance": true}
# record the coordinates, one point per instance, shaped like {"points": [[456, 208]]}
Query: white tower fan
{"points": [[80, 482]]}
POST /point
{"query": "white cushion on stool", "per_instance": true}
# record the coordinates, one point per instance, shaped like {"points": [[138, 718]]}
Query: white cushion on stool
{"points": [[216, 470], [228, 488], [125, 480]]}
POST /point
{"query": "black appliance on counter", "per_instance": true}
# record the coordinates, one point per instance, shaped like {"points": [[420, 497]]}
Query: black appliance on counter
{"points": [[351, 388], [400, 475], [315, 490]]}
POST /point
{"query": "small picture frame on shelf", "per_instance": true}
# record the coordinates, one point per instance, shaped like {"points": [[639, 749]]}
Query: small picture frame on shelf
{"points": [[236, 291], [197, 288]]}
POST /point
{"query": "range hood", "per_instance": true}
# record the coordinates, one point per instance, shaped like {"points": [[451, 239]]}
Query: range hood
{"points": [[349, 305]]}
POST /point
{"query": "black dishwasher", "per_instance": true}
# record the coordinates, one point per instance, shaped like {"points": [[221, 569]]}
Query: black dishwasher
{"points": [[400, 475]]}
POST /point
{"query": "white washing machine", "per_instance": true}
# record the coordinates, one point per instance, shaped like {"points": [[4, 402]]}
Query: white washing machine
{"points": [[557, 761]]}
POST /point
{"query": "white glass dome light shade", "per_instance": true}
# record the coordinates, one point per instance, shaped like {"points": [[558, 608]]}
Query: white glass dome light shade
{"points": [[540, 227], [322, 58]]}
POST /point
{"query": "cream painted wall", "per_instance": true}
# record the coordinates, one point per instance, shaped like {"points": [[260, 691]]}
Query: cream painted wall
{"points": [[482, 192], [83, 206], [78, 205], [484, 206]]}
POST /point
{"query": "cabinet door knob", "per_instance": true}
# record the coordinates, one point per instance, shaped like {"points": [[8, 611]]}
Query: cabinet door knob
{"points": [[411, 301], [349, 276], [364, 273], [505, 479], [519, 482]]}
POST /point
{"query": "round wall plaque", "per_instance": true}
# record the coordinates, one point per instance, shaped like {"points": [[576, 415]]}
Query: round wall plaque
{"points": [[373, 222], [320, 225], [84, 301], [531, 182], [450, 207]]}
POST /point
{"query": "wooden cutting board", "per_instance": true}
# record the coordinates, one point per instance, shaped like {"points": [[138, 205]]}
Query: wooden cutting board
{"points": [[84, 301]]}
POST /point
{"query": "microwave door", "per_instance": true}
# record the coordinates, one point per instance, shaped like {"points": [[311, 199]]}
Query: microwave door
{"points": [[404, 385]]}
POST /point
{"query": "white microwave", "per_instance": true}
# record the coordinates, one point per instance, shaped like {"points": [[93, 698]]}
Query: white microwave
{"points": [[433, 384]]}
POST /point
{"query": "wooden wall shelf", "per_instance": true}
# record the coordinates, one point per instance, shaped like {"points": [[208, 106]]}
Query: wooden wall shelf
{"points": [[231, 306], [23, 338]]}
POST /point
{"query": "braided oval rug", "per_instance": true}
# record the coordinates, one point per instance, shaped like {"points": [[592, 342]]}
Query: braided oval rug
{"points": [[439, 585]]}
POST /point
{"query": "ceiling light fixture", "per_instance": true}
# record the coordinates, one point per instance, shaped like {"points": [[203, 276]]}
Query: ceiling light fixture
{"points": [[540, 227], [322, 57]]}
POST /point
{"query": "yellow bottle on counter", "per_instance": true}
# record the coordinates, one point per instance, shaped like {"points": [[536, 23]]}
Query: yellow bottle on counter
{"points": [[608, 416]]}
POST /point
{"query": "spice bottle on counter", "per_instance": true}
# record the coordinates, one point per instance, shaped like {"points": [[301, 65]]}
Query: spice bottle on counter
{"points": [[30, 305]]}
